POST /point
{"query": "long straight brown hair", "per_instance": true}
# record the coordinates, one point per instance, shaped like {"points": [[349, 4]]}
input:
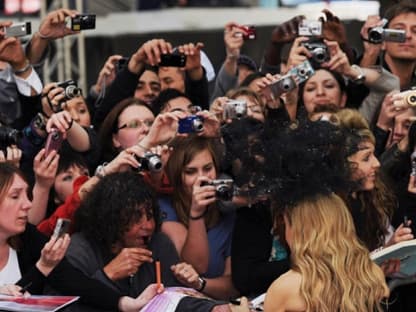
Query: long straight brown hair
{"points": [[184, 151]]}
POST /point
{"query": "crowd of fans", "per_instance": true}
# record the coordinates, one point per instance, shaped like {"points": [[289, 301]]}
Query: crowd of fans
{"points": [[282, 179]]}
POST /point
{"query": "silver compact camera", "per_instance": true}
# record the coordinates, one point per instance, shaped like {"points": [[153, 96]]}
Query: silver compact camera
{"points": [[302, 72], [18, 30], [235, 109], [283, 85], [149, 161], [224, 188], [310, 28], [318, 49], [71, 89], [380, 34]]}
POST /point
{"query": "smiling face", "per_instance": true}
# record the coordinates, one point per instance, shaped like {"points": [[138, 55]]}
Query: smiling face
{"points": [[365, 166], [148, 87], [201, 165], [14, 208], [322, 89]]}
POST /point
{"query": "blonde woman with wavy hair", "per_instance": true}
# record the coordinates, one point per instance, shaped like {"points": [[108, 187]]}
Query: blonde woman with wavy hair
{"points": [[331, 270]]}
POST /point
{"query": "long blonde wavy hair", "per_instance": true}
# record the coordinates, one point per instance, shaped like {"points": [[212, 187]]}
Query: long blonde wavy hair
{"points": [[337, 272]]}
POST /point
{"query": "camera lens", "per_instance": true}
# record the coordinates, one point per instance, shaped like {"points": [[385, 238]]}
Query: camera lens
{"points": [[197, 125], [223, 192], [72, 91], [154, 163], [412, 100], [375, 35]]}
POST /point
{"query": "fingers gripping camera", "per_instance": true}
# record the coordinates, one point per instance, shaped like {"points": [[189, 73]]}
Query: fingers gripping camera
{"points": [[224, 188], [149, 161], [191, 124]]}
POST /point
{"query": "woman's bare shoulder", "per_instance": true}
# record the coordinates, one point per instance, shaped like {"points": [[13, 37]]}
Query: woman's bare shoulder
{"points": [[283, 294]]}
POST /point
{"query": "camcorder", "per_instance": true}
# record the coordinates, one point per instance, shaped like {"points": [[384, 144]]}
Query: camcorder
{"points": [[82, 22], [235, 109], [175, 59], [248, 32], [191, 124], [380, 34], [224, 188], [18, 30], [8, 136], [150, 162], [53, 142]]}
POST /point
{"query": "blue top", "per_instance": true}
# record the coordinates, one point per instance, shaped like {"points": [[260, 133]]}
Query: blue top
{"points": [[219, 237]]}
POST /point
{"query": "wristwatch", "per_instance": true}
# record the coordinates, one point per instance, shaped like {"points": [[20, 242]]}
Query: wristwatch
{"points": [[361, 76], [202, 284], [100, 171]]}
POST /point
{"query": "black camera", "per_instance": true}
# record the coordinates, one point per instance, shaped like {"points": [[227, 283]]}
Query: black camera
{"points": [[191, 124], [8, 136], [121, 63], [174, 59], [83, 21], [318, 49], [71, 89], [224, 188], [149, 161], [380, 34], [235, 109]]}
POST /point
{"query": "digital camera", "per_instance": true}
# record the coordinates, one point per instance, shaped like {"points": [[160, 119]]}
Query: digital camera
{"points": [[8, 136], [318, 49], [53, 142], [248, 32], [310, 28], [224, 188], [174, 59], [71, 89], [83, 21], [121, 63], [18, 30], [149, 161], [302, 72], [285, 84], [380, 34], [191, 124], [235, 109], [411, 98]]}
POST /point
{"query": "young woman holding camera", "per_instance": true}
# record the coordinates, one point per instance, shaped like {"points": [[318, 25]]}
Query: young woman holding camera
{"points": [[191, 217]]}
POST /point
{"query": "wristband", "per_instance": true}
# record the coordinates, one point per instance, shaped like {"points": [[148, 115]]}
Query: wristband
{"points": [[24, 69], [200, 216], [202, 284], [100, 171]]}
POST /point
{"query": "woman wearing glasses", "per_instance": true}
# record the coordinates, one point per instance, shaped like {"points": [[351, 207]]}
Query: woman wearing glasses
{"points": [[126, 125]]}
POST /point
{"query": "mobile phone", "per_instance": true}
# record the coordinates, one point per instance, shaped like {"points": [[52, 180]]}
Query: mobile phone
{"points": [[61, 227], [53, 142], [82, 22], [18, 30], [173, 60]]}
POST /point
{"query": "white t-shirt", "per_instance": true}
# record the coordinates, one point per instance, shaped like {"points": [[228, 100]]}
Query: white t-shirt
{"points": [[10, 274]]}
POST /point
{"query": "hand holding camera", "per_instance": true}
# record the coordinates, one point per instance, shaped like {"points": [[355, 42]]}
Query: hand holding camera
{"points": [[233, 42], [11, 154], [149, 53], [193, 59], [45, 167], [53, 26]]}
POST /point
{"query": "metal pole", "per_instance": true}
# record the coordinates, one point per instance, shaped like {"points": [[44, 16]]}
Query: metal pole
{"points": [[81, 53]]}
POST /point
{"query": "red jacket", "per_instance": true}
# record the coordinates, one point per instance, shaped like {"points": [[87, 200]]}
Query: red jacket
{"points": [[66, 210]]}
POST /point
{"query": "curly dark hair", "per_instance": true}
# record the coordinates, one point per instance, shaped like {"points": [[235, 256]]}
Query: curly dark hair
{"points": [[111, 207]]}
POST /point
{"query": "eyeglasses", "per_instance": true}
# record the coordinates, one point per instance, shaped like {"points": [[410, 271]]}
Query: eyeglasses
{"points": [[136, 123]]}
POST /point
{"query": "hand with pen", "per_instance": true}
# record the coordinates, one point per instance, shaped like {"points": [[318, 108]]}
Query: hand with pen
{"points": [[14, 290], [127, 262]]}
